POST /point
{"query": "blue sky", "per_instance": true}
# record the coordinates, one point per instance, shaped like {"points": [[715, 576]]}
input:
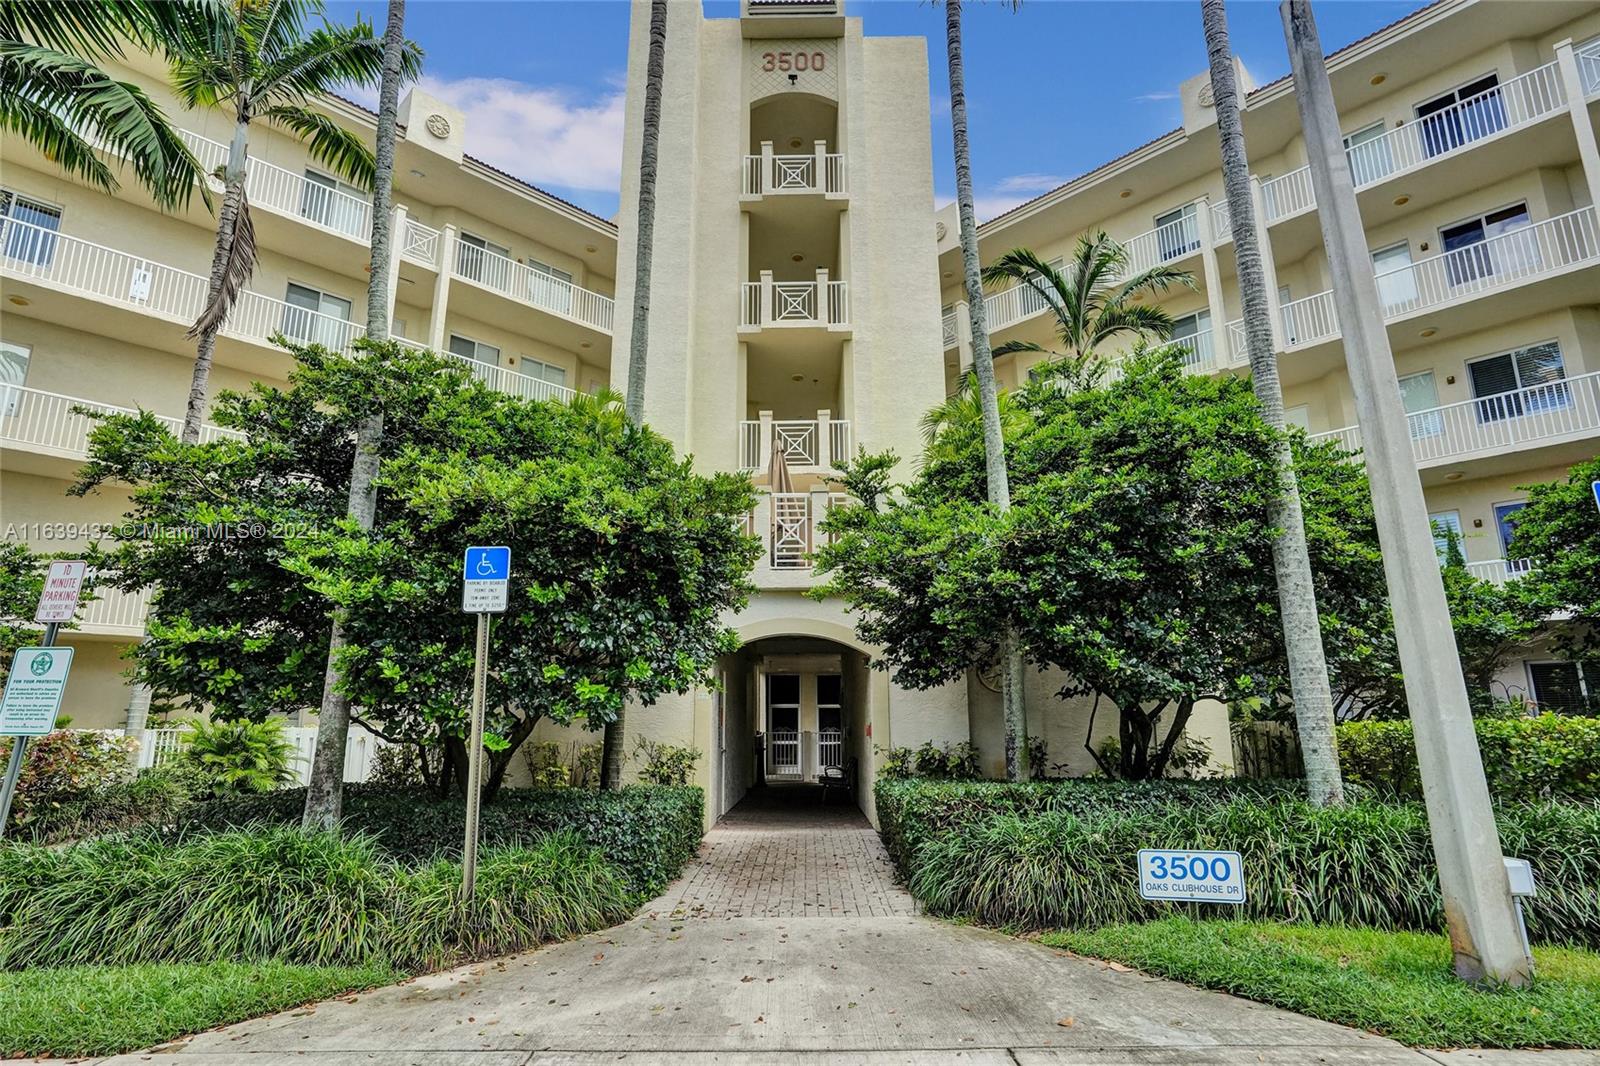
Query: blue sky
{"points": [[1054, 88]]}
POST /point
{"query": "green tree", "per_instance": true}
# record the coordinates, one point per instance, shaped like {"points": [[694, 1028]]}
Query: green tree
{"points": [[325, 785], [1558, 533], [627, 561], [260, 59], [55, 96], [1092, 298]]}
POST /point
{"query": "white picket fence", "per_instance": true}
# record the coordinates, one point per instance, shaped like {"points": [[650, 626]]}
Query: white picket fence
{"points": [[157, 746]]}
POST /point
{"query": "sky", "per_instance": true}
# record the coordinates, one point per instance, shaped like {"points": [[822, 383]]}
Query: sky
{"points": [[1054, 88]]}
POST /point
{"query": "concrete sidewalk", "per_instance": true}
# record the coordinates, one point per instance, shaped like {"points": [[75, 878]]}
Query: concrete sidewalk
{"points": [[788, 941]]}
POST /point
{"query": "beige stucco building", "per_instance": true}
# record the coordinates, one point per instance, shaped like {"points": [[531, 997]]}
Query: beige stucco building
{"points": [[806, 298]]}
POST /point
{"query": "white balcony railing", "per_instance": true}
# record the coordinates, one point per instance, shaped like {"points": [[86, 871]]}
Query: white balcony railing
{"points": [[818, 443], [1199, 352], [830, 748], [783, 752], [116, 612], [1505, 421], [1221, 222], [1499, 571], [284, 191], [1309, 320], [50, 422], [163, 744], [1524, 99], [787, 524], [952, 332], [420, 243], [767, 302], [1164, 244], [1589, 68], [523, 283], [803, 754], [775, 175]]}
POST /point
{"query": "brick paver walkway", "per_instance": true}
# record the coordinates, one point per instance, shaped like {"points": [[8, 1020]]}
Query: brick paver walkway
{"points": [[782, 854]]}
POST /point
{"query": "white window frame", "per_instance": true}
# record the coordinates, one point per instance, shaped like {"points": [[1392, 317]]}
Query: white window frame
{"points": [[1533, 690], [1455, 526], [1482, 218], [1484, 412], [45, 251], [489, 271], [477, 346], [10, 397], [1500, 536], [524, 360], [314, 323], [335, 213]]}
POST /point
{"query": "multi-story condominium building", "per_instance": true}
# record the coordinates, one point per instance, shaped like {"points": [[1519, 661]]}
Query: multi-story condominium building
{"points": [[806, 300]]}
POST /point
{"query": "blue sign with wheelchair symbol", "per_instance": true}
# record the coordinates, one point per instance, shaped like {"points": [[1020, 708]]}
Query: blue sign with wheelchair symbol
{"points": [[487, 564]]}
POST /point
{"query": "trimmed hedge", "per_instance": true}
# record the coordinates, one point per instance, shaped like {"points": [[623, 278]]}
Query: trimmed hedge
{"points": [[1550, 755], [649, 832], [276, 893], [1065, 853]]}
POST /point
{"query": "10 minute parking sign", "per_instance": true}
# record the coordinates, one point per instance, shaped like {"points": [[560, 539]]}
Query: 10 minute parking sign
{"points": [[1191, 876]]}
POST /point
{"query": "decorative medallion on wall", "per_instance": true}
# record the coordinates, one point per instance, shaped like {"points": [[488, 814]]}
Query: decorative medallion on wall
{"points": [[938, 231], [809, 65], [439, 126], [1205, 98], [989, 675]]}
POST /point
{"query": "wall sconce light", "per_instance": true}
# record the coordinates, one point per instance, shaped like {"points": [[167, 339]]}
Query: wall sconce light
{"points": [[1477, 523]]}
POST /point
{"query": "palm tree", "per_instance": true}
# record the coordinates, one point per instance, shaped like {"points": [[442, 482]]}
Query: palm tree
{"points": [[994, 448], [54, 96], [325, 785], [1091, 297], [639, 340], [259, 59], [1297, 601]]}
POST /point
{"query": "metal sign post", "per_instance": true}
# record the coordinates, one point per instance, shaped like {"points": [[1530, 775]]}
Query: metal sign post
{"points": [[485, 588], [32, 698], [1594, 486]]}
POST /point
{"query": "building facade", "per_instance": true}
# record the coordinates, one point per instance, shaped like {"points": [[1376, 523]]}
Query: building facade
{"points": [[806, 301]]}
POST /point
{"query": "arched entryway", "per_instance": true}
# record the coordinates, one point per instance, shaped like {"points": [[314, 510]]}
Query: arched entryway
{"points": [[792, 720]]}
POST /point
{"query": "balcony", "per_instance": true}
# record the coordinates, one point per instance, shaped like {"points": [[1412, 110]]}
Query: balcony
{"points": [[787, 524], [1589, 69], [769, 304], [1556, 412], [1163, 245], [535, 288], [1499, 571], [420, 244], [800, 755], [820, 173], [809, 445], [289, 193], [1545, 249], [115, 613], [52, 424]]}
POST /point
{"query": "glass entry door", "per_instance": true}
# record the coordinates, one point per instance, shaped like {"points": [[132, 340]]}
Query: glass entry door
{"points": [[783, 723]]}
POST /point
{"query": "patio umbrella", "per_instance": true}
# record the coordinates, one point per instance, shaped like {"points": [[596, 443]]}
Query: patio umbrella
{"points": [[778, 479], [779, 483]]}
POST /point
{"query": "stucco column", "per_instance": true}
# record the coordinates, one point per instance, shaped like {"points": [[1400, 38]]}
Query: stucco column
{"points": [[816, 511], [1221, 354], [441, 287], [765, 182], [763, 456], [1269, 264], [963, 335], [138, 710], [397, 244], [1478, 909], [820, 151], [1582, 124], [764, 307], [824, 308], [825, 440]]}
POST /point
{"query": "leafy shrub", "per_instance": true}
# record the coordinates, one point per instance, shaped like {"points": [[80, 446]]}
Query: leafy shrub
{"points": [[280, 893], [666, 764], [647, 832], [1038, 758], [158, 796], [1065, 854], [896, 764], [1547, 755], [957, 762], [240, 756], [546, 765], [64, 768], [397, 765]]}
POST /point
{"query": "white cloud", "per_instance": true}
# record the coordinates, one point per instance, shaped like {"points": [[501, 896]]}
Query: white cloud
{"points": [[990, 205], [1029, 183], [543, 134], [1153, 98]]}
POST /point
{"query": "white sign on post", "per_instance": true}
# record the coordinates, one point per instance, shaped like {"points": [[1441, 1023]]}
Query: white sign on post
{"points": [[485, 579], [58, 601], [33, 693], [1192, 876], [1594, 486]]}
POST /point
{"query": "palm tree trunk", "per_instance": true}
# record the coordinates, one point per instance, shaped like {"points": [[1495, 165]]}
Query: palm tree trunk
{"points": [[612, 756], [325, 786], [233, 179], [1302, 633], [994, 449]]}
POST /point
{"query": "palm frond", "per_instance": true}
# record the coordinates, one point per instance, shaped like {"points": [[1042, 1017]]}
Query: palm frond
{"points": [[118, 115], [241, 262], [1158, 279], [343, 152], [1139, 319], [1010, 347], [54, 137], [329, 58], [99, 30]]}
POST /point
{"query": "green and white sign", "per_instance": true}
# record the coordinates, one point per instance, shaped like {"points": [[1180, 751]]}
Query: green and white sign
{"points": [[33, 693]]}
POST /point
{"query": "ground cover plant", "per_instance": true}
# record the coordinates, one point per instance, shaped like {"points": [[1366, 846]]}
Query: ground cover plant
{"points": [[1547, 755], [101, 1010], [1398, 984], [1039, 856]]}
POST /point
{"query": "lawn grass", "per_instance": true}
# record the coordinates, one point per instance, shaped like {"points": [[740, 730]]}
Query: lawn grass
{"points": [[1396, 984], [101, 1010]]}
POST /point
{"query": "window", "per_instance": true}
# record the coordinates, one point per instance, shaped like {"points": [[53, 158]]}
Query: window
{"points": [[483, 261], [29, 227], [1505, 521], [1370, 154], [830, 702], [783, 703], [549, 287], [1420, 397], [13, 375], [1397, 283], [548, 373], [1461, 116], [1177, 233], [1187, 331], [1565, 688], [327, 200], [1525, 381], [476, 351], [1446, 527], [316, 317], [1485, 246], [1299, 415]]}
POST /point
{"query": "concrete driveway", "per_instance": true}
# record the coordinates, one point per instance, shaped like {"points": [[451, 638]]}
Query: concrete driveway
{"points": [[788, 940]]}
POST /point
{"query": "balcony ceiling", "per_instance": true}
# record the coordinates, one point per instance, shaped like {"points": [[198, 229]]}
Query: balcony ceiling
{"points": [[773, 361], [808, 227]]}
